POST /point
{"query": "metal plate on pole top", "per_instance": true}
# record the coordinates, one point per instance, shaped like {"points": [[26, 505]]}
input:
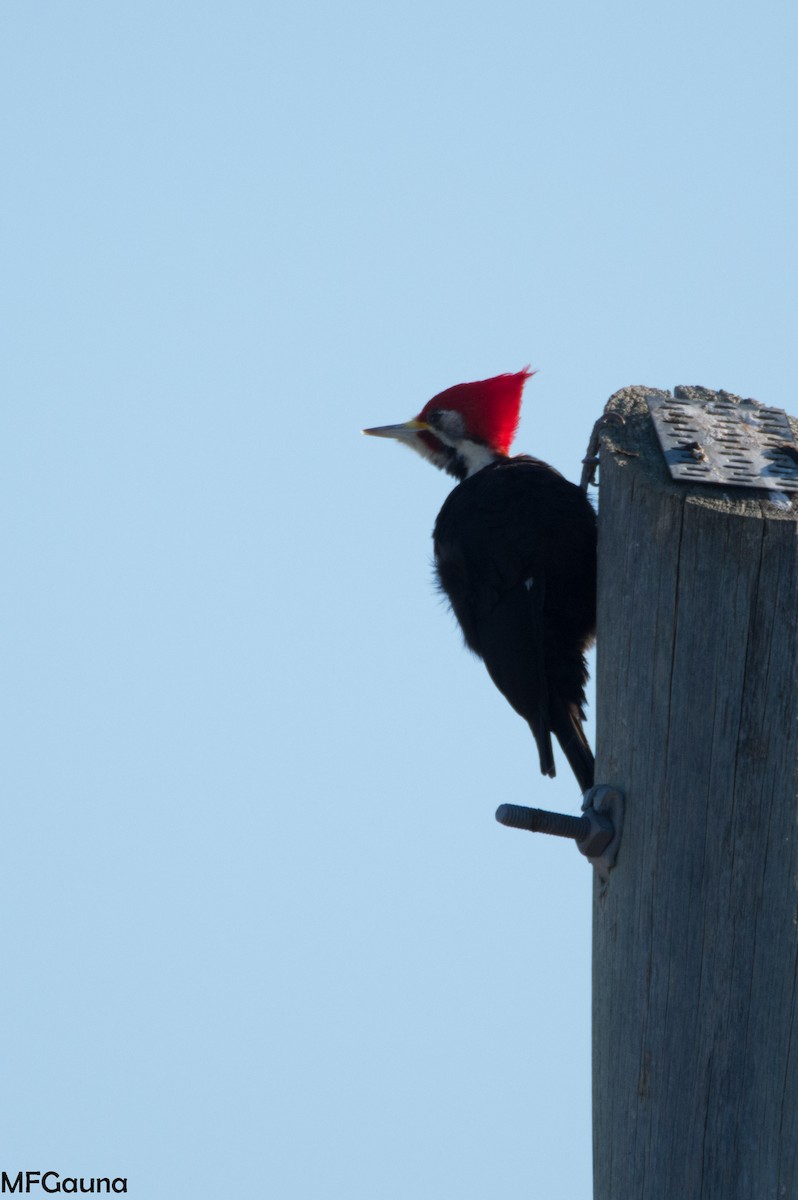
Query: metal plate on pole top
{"points": [[731, 442]]}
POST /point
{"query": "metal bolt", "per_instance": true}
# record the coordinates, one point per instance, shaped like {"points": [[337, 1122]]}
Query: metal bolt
{"points": [[539, 820], [592, 832]]}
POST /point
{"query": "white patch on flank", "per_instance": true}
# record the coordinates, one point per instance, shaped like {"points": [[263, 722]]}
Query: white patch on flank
{"points": [[529, 583]]}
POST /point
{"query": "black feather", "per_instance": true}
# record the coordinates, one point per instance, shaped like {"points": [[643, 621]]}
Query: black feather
{"points": [[515, 552]]}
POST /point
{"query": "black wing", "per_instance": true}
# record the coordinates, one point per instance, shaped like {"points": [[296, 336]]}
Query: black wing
{"points": [[515, 550]]}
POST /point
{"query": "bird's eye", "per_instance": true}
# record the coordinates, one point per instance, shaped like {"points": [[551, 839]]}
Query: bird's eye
{"points": [[435, 418]]}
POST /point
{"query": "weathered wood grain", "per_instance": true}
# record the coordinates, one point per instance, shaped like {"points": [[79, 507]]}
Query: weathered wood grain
{"points": [[695, 936]]}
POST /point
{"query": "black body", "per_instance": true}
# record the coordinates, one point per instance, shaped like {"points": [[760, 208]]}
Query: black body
{"points": [[515, 551]]}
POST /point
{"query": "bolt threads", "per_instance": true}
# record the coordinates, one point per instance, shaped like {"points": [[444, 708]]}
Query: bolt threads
{"points": [[539, 820]]}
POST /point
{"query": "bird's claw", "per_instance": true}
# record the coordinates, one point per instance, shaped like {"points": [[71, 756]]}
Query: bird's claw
{"points": [[591, 459]]}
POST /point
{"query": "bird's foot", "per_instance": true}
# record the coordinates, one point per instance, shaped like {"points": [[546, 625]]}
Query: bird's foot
{"points": [[591, 460]]}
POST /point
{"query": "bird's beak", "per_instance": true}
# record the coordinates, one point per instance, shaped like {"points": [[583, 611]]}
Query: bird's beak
{"points": [[406, 432]]}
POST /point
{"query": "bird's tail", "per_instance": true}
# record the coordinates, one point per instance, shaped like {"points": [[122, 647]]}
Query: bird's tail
{"points": [[566, 725], [543, 739]]}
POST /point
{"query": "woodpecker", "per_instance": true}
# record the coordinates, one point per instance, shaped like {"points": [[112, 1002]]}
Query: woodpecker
{"points": [[515, 553]]}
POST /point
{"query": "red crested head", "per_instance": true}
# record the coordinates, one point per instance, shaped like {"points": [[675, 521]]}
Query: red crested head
{"points": [[465, 428], [490, 408]]}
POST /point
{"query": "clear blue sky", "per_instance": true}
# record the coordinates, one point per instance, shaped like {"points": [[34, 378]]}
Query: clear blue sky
{"points": [[261, 933]]}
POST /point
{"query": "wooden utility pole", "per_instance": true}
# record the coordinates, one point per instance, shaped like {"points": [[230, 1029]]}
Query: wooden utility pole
{"points": [[695, 935]]}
